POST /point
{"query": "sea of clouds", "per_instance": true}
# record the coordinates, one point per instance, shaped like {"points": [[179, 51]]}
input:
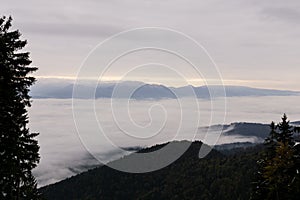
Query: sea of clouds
{"points": [[69, 146]]}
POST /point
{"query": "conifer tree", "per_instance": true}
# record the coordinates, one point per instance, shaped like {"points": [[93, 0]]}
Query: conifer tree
{"points": [[286, 131], [271, 140], [18, 147], [278, 176]]}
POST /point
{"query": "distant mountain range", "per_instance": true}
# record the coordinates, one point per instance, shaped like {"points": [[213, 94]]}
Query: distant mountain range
{"points": [[140, 90], [242, 129]]}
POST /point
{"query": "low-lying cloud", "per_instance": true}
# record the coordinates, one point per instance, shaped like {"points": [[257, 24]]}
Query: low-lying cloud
{"points": [[64, 155]]}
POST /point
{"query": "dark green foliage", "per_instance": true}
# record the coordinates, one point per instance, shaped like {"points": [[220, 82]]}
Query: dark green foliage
{"points": [[278, 174], [285, 134], [18, 147], [217, 176]]}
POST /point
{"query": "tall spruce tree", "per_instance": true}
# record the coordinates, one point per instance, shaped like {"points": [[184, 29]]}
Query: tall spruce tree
{"points": [[286, 131], [18, 147], [278, 176]]}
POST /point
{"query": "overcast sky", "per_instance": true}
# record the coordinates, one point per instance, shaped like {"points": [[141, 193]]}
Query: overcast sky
{"points": [[254, 42]]}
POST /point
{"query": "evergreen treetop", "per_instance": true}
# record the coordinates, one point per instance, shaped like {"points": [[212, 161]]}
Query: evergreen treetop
{"points": [[18, 147]]}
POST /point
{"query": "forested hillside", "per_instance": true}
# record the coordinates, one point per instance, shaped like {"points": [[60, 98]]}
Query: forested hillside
{"points": [[220, 175]]}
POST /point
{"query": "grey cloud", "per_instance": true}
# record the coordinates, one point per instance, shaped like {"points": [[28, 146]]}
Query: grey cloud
{"points": [[261, 35], [283, 13], [75, 30]]}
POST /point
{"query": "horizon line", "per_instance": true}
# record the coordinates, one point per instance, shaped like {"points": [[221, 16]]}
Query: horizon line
{"points": [[225, 82]]}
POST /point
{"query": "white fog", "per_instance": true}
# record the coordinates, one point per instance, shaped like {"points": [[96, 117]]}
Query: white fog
{"points": [[64, 155]]}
